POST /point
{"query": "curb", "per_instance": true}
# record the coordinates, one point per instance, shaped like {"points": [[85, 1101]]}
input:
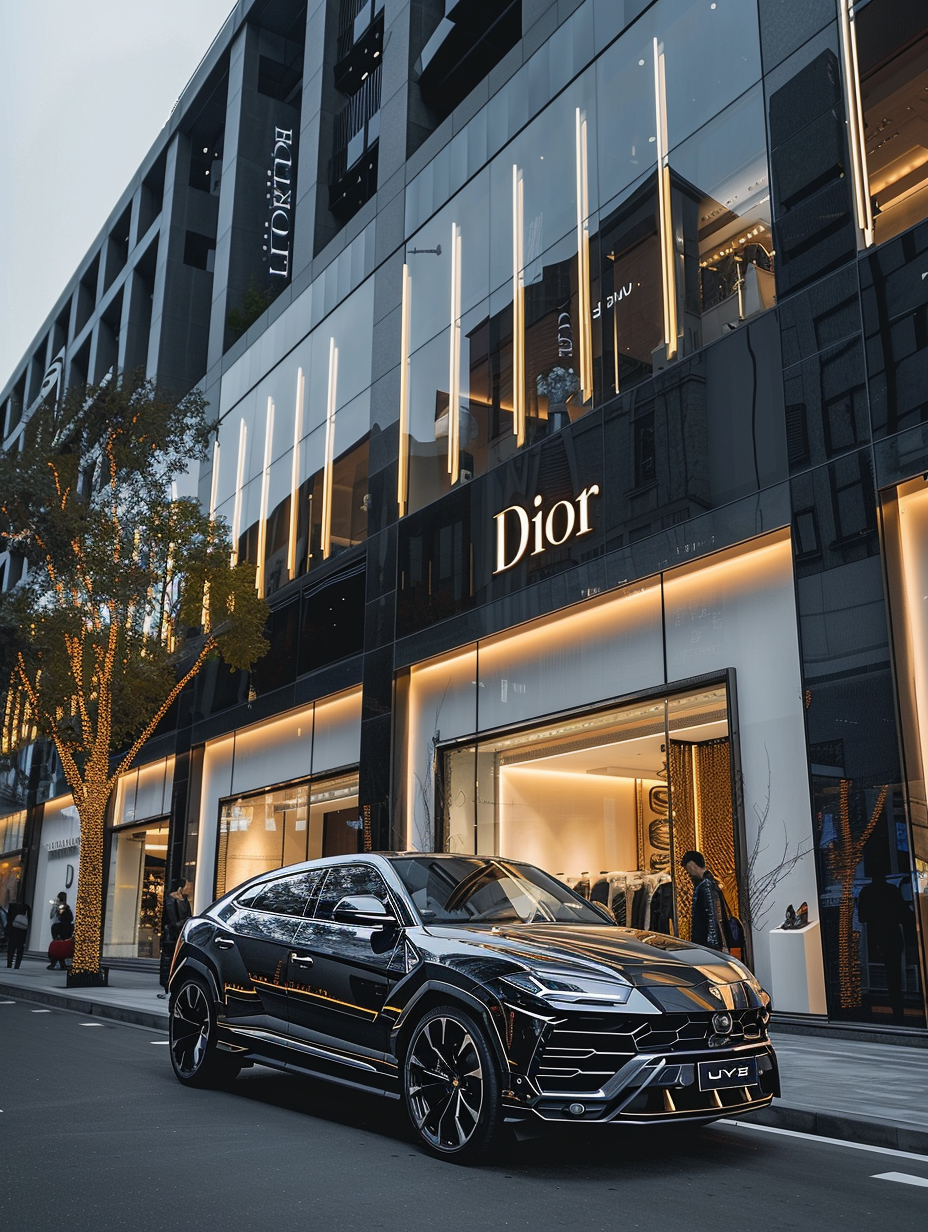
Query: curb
{"points": [[870, 1131], [95, 1009]]}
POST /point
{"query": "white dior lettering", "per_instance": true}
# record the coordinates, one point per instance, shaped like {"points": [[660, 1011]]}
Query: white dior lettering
{"points": [[544, 529]]}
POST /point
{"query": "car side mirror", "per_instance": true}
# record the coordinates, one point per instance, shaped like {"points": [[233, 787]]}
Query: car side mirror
{"points": [[363, 910]]}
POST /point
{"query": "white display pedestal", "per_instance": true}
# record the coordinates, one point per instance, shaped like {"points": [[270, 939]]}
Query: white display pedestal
{"points": [[797, 975]]}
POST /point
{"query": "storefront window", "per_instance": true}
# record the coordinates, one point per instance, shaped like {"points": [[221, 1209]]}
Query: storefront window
{"points": [[12, 829], [264, 830], [135, 893], [607, 801], [895, 858]]}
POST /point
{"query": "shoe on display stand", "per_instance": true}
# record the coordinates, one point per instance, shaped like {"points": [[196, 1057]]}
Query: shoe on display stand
{"points": [[796, 919]]}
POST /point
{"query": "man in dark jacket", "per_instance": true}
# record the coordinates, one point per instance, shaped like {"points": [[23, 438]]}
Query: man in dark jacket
{"points": [[177, 911], [708, 927]]}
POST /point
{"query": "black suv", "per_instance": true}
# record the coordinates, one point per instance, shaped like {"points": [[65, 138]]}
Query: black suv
{"points": [[478, 990]]}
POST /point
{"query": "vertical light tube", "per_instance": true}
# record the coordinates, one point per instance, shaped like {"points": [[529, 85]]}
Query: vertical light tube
{"points": [[615, 340], [265, 488], [295, 475], [329, 452], [402, 470], [214, 480], [856, 139], [518, 308], [213, 490], [665, 215], [454, 360], [584, 311], [239, 479]]}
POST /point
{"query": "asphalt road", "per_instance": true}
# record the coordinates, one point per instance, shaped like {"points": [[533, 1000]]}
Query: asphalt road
{"points": [[97, 1134]]}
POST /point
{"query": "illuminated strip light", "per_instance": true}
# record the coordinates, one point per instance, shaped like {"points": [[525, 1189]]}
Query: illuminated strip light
{"points": [[615, 343], [518, 309], [213, 491], [239, 479], [583, 260], [402, 470], [665, 215], [265, 489], [855, 120], [329, 452], [295, 475], [454, 360]]}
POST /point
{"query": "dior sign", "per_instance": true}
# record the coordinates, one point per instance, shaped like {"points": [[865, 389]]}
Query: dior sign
{"points": [[280, 182], [548, 528]]}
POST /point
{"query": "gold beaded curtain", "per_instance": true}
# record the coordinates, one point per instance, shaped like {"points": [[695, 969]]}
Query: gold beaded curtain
{"points": [[700, 789]]}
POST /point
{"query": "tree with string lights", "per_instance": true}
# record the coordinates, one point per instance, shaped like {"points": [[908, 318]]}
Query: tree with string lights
{"points": [[126, 593]]}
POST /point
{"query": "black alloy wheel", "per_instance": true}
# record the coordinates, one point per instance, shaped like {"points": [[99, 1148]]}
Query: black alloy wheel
{"points": [[192, 1038], [451, 1085]]}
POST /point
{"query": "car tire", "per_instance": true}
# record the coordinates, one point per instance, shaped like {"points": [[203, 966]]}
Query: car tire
{"points": [[192, 1037], [451, 1085]]}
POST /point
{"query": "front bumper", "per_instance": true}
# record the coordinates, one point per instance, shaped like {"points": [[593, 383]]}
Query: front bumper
{"points": [[652, 1089]]}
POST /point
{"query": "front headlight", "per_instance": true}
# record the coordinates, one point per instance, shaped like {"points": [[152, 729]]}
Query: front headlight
{"points": [[569, 986], [748, 977]]}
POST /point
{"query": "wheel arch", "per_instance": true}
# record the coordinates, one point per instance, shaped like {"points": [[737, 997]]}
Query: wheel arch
{"points": [[191, 965], [434, 993]]}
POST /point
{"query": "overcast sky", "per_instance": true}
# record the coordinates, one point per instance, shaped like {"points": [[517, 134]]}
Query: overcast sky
{"points": [[85, 88]]}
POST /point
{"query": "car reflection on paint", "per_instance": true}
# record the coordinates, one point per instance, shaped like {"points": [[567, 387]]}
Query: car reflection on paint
{"points": [[480, 991]]}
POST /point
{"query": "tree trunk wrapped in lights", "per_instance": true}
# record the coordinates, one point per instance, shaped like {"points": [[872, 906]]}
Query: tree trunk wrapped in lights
{"points": [[127, 591]]}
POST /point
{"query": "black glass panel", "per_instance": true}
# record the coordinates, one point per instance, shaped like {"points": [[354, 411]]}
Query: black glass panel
{"points": [[332, 621], [894, 295]]}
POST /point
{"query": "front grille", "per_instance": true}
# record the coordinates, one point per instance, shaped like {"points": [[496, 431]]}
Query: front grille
{"points": [[584, 1051]]}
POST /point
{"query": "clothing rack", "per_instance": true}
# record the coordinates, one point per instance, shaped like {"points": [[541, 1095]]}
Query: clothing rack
{"points": [[636, 898]]}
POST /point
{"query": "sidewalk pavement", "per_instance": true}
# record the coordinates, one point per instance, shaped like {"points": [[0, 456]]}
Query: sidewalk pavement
{"points": [[871, 1093], [132, 996]]}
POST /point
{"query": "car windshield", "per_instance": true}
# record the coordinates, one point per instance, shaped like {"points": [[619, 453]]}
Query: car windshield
{"points": [[468, 890]]}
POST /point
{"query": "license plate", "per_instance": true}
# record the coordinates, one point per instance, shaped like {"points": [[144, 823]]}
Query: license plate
{"points": [[717, 1075]]}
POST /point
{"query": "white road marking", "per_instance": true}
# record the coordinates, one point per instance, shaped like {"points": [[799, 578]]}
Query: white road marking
{"points": [[90, 1024], [40, 1011], [163, 1043], [904, 1178], [6, 1003], [795, 1133]]}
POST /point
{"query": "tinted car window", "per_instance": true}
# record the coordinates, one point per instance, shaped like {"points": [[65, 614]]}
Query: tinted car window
{"points": [[286, 895], [347, 879]]}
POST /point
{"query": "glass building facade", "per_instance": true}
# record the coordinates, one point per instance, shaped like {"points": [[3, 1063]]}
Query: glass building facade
{"points": [[578, 444]]}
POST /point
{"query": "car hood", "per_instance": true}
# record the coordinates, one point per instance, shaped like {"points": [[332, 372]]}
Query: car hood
{"points": [[643, 959]]}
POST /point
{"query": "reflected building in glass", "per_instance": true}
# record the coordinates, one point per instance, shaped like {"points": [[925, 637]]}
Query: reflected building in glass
{"points": [[569, 365]]}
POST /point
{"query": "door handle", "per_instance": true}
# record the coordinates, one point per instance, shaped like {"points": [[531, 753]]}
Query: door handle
{"points": [[301, 960], [223, 943]]}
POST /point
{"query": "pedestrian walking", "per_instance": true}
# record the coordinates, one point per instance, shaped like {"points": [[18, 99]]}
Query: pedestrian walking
{"points": [[19, 915], [708, 925], [176, 911]]}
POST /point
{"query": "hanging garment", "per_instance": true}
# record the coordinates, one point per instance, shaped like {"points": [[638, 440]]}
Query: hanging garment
{"points": [[662, 908], [640, 907], [600, 890]]}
